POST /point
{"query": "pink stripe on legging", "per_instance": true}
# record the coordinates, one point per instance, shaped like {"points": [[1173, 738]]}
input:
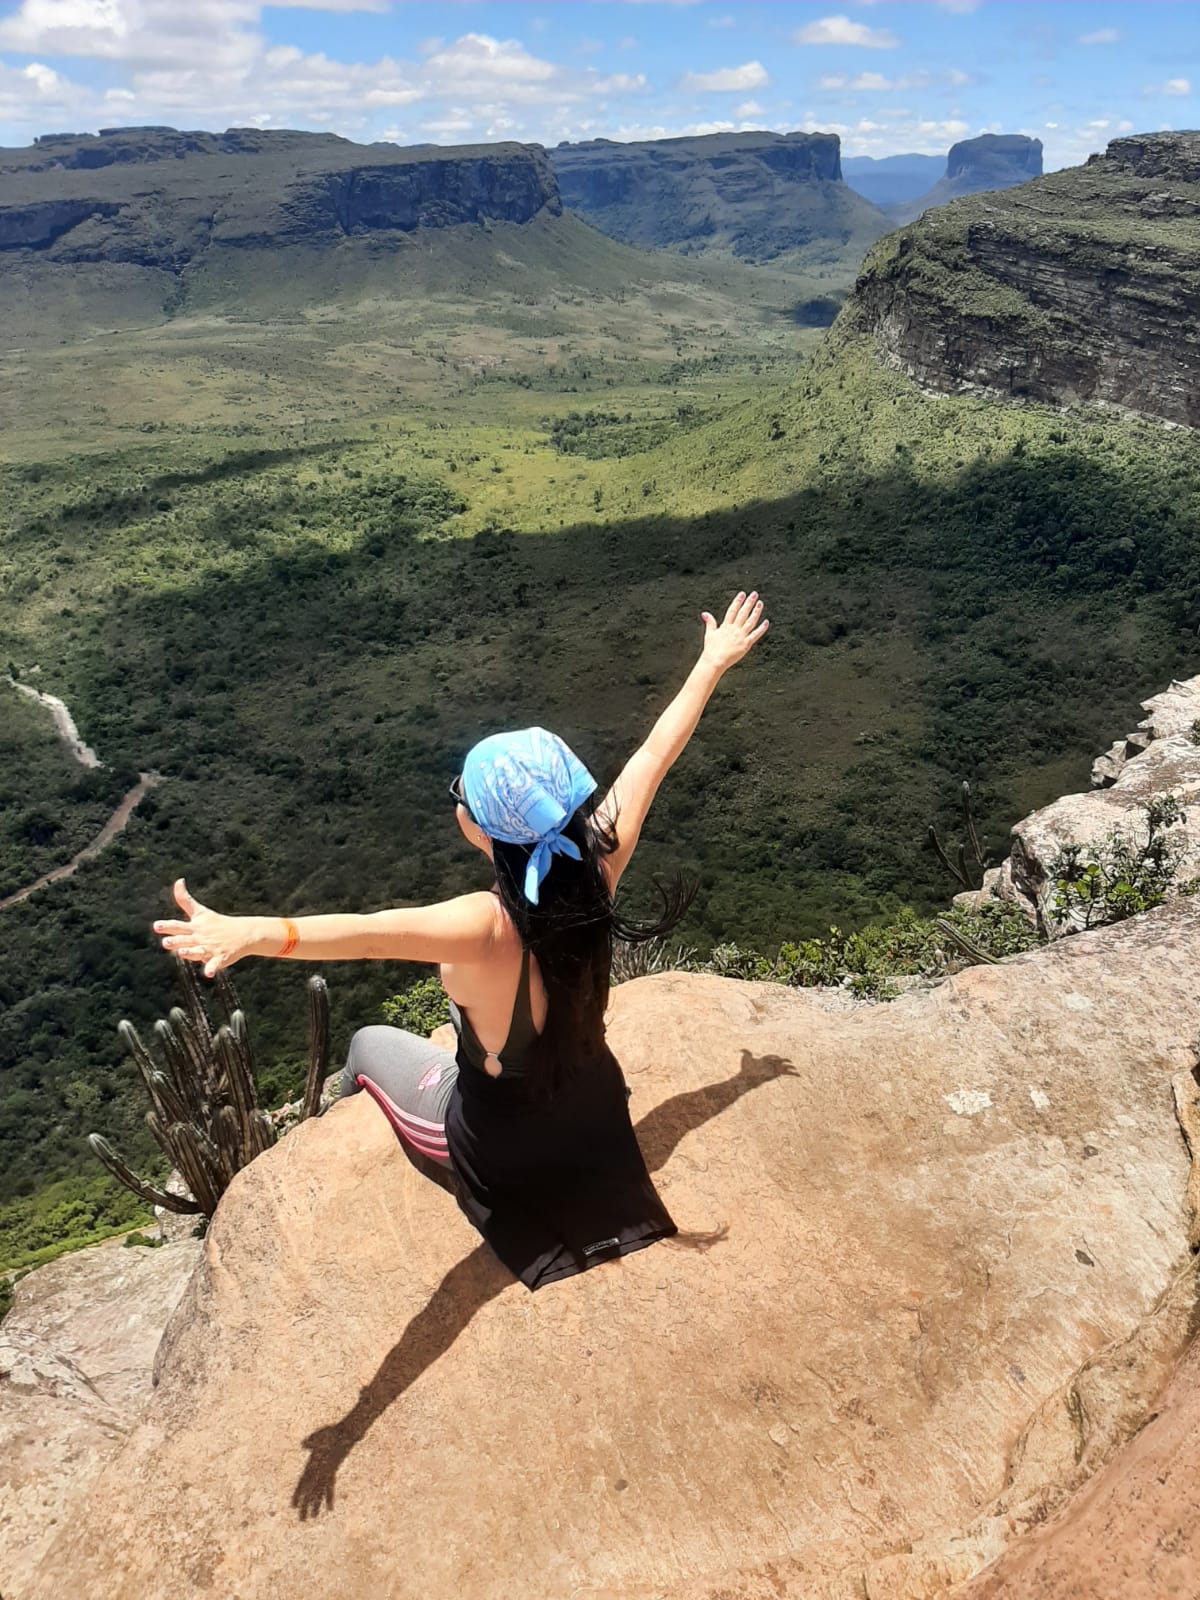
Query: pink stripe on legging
{"points": [[429, 1138]]}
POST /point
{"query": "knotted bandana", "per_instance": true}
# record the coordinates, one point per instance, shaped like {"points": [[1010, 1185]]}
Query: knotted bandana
{"points": [[524, 788]]}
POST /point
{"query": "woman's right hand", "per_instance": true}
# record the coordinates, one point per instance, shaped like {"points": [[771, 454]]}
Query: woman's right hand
{"points": [[737, 635]]}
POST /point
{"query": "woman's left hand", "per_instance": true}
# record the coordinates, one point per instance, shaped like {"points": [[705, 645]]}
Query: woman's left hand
{"points": [[209, 937]]}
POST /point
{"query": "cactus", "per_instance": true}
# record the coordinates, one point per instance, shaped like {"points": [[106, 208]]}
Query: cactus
{"points": [[204, 1111], [958, 869]]}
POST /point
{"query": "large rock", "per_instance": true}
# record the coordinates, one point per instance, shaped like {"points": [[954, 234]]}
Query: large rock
{"points": [[76, 1352], [934, 1264], [1168, 766], [1173, 713]]}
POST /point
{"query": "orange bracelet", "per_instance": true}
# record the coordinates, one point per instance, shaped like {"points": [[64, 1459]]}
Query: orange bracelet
{"points": [[292, 936]]}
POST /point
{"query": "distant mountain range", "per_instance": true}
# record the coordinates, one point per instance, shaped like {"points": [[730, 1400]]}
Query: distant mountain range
{"points": [[891, 180], [141, 220]]}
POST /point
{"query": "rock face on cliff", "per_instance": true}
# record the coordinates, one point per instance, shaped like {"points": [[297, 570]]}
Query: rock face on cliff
{"points": [[992, 161], [1160, 758], [752, 195], [75, 1360], [934, 1266], [1081, 286], [159, 198]]}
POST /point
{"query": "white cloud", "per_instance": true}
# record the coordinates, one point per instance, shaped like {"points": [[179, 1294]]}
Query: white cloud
{"points": [[749, 108], [734, 80], [722, 22], [1175, 87], [330, 5], [44, 78], [877, 83], [206, 63], [840, 30], [1101, 36]]}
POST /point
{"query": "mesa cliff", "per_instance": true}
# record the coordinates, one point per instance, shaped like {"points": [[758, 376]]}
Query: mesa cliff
{"points": [[751, 195], [991, 161], [1081, 286], [158, 198]]}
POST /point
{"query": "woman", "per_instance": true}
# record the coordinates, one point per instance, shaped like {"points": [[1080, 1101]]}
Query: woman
{"points": [[530, 1113]]}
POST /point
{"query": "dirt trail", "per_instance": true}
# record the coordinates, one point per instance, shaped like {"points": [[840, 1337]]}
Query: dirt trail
{"points": [[86, 757]]}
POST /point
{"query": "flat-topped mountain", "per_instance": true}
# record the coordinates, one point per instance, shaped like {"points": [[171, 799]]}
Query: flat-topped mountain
{"points": [[1083, 285], [752, 195], [158, 198], [992, 161]]}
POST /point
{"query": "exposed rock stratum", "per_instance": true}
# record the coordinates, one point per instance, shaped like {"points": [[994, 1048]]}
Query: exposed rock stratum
{"points": [[1080, 286], [935, 1267]]}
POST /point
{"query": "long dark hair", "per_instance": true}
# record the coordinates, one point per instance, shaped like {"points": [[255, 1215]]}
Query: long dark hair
{"points": [[571, 932]]}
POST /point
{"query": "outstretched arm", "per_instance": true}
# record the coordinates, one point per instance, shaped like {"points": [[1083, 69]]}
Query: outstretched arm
{"points": [[462, 929], [629, 799]]}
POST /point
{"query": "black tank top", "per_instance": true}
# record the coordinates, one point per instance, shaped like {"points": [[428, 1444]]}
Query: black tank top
{"points": [[556, 1185]]}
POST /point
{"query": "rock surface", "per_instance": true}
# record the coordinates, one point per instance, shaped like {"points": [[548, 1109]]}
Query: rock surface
{"points": [[991, 161], [1133, 1533], [1081, 286], [75, 1360], [1161, 757], [753, 195], [934, 1265]]}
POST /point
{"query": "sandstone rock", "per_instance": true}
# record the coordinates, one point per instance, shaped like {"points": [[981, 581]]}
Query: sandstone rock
{"points": [[1175, 712], [75, 1362], [1167, 766], [943, 1243], [1134, 1531], [155, 198]]}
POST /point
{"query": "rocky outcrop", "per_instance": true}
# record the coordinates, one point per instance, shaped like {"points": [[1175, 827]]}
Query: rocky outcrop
{"points": [[992, 161], [1082, 286], [158, 198], [1160, 758], [75, 1361], [934, 1265], [753, 195]]}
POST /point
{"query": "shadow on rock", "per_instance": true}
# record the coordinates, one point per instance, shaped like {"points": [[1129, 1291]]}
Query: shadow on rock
{"points": [[480, 1277]]}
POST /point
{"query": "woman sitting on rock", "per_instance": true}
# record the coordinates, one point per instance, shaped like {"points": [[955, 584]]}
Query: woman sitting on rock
{"points": [[529, 1115]]}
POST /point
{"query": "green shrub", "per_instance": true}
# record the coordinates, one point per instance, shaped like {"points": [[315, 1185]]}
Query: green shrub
{"points": [[1122, 876], [420, 1008], [131, 1239]]}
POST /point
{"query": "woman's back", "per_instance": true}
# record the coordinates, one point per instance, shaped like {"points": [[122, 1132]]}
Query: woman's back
{"points": [[488, 996]]}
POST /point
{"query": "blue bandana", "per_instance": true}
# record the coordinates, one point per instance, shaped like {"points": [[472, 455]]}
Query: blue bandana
{"points": [[524, 788]]}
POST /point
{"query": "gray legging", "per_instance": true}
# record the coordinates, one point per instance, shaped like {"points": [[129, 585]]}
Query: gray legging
{"points": [[410, 1080]]}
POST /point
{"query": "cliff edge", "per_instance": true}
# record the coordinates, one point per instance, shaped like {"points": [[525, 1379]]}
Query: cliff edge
{"points": [[1081, 286], [935, 1264]]}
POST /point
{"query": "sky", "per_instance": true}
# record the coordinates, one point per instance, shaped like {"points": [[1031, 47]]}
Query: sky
{"points": [[888, 76]]}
